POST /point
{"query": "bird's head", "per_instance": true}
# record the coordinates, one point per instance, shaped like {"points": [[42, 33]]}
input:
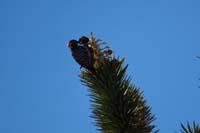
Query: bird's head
{"points": [[83, 40], [72, 43]]}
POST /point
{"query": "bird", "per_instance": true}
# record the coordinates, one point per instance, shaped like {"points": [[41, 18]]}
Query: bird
{"points": [[82, 55]]}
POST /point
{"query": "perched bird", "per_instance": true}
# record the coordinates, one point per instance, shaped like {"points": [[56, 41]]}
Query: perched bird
{"points": [[82, 55]]}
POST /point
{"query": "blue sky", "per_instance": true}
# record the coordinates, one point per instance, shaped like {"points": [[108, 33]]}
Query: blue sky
{"points": [[40, 91]]}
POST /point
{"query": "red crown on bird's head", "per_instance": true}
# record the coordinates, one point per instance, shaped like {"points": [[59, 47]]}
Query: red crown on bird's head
{"points": [[71, 42]]}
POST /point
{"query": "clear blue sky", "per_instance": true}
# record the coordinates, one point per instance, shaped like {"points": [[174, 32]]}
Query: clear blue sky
{"points": [[40, 91]]}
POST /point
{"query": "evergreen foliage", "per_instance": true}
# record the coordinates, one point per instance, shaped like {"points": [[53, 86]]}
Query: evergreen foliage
{"points": [[195, 128], [118, 106]]}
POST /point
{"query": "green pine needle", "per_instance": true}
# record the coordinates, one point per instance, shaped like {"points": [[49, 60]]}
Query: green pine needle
{"points": [[195, 128]]}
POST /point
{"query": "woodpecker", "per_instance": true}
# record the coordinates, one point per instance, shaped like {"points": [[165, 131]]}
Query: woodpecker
{"points": [[82, 55]]}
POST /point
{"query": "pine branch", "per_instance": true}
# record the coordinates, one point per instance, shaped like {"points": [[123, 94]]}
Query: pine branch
{"points": [[195, 128], [118, 106]]}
